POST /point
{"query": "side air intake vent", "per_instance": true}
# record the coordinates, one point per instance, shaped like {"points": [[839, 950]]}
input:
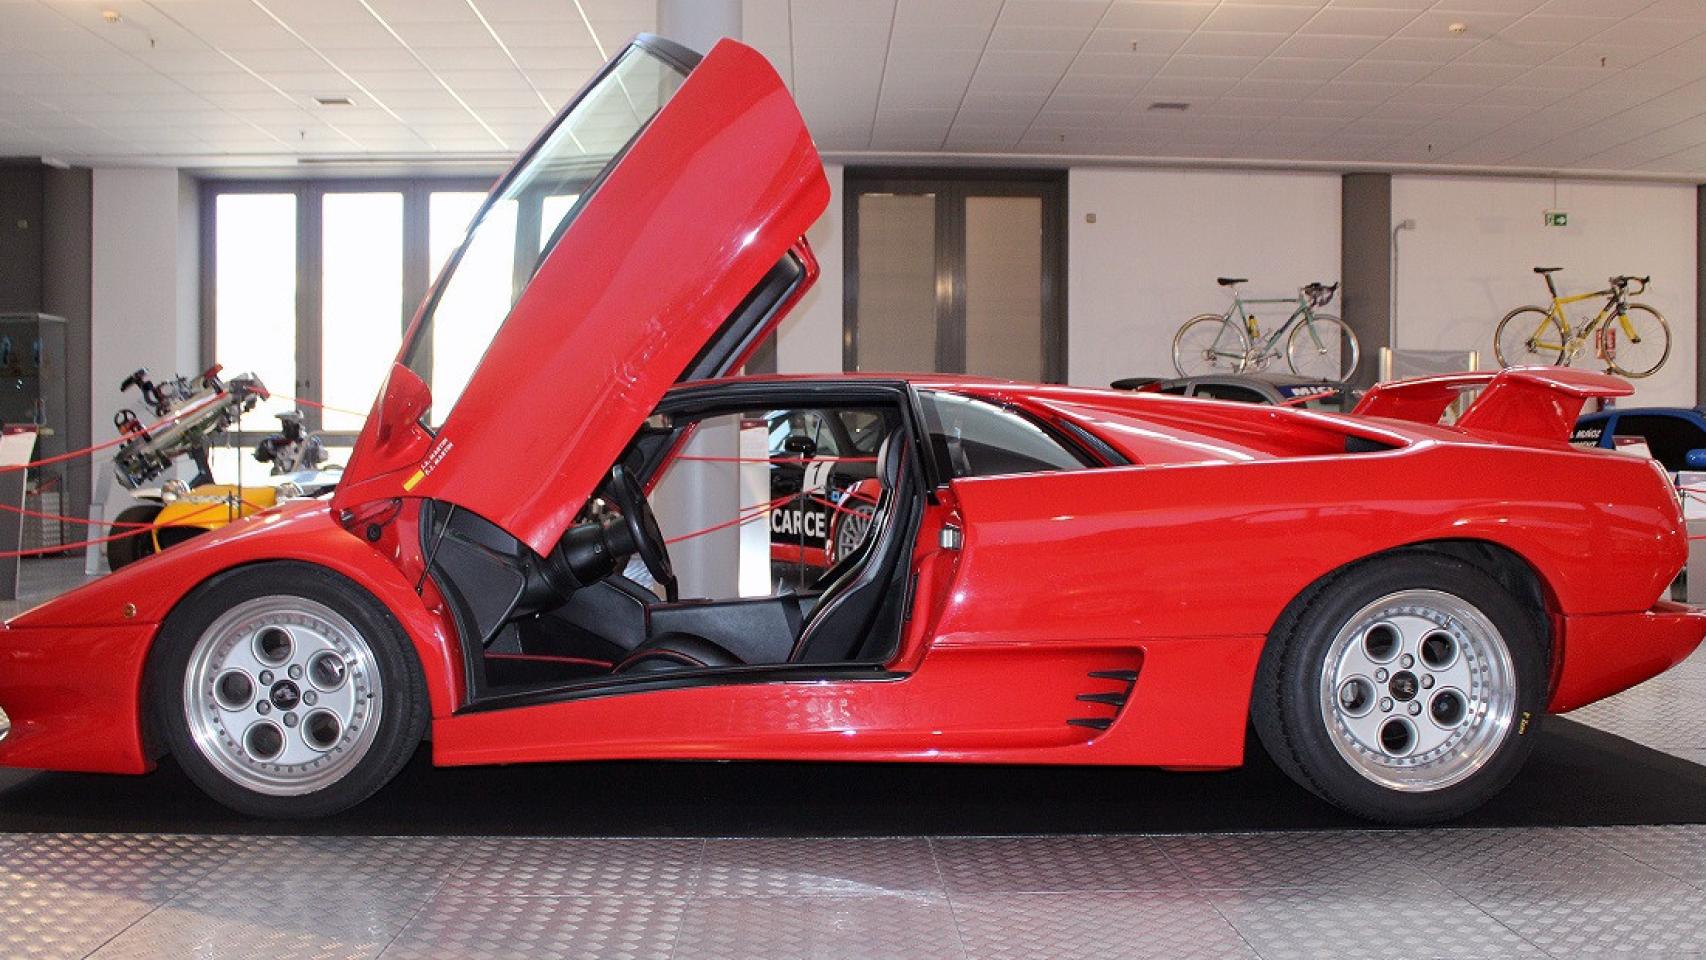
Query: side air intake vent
{"points": [[1114, 689]]}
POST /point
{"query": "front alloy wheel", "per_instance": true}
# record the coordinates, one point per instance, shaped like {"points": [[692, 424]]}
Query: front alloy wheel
{"points": [[1405, 688], [286, 690], [283, 695]]}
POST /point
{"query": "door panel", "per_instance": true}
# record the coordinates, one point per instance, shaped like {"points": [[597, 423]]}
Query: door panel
{"points": [[703, 205]]}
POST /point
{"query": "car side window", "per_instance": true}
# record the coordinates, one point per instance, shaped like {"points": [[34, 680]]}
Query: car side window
{"points": [[974, 438]]}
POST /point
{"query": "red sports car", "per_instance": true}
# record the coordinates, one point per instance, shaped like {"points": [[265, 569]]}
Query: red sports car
{"points": [[1051, 575]]}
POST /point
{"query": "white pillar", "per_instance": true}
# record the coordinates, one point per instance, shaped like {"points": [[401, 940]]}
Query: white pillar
{"points": [[699, 24]]}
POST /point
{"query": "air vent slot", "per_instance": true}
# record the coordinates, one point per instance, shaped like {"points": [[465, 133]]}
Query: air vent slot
{"points": [[1113, 690]]}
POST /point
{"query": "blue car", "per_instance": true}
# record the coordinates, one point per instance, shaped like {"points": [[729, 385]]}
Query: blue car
{"points": [[1675, 436]]}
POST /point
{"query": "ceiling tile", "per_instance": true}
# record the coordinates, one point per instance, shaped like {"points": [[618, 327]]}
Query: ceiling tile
{"points": [[1233, 44], [1156, 16], [1257, 18], [1358, 22]]}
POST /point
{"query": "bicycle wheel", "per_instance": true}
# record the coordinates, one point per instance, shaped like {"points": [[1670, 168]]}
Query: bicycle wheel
{"points": [[1642, 354], [1210, 344], [1322, 347], [1529, 335]]}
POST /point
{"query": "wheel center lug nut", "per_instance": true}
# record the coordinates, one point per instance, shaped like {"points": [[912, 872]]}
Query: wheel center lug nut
{"points": [[285, 695], [1427, 681], [1415, 708], [1385, 704], [1380, 675], [1407, 661], [296, 671], [1404, 685]]}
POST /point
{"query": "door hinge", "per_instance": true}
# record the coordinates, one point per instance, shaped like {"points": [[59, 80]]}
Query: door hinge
{"points": [[952, 538]]}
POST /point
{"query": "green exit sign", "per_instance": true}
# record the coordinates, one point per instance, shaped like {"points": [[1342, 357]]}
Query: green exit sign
{"points": [[1557, 218]]}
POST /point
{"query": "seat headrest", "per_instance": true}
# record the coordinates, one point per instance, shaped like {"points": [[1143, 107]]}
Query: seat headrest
{"points": [[891, 458]]}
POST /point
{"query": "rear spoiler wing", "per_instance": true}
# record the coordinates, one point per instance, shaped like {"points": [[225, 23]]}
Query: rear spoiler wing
{"points": [[1539, 403]]}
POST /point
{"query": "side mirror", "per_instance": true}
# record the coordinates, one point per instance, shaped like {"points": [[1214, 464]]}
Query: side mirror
{"points": [[1695, 459], [804, 446]]}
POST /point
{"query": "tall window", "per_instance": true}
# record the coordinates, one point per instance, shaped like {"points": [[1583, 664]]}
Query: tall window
{"points": [[310, 285], [361, 301], [256, 290]]}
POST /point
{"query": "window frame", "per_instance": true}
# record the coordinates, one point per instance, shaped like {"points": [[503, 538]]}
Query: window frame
{"points": [[952, 188], [310, 196]]}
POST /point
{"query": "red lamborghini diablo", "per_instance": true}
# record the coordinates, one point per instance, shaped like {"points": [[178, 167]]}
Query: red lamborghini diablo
{"points": [[1042, 574]]}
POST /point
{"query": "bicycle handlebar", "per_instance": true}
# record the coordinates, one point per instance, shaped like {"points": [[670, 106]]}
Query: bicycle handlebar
{"points": [[1621, 283]]}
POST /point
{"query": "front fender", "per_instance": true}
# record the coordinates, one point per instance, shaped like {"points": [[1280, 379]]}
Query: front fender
{"points": [[72, 669]]}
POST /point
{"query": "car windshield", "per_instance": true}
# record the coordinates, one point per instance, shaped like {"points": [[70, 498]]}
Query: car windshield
{"points": [[517, 228]]}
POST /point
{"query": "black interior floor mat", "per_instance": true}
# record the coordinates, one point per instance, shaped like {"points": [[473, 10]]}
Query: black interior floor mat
{"points": [[1577, 776]]}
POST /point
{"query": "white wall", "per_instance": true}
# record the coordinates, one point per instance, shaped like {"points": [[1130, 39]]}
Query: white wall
{"points": [[809, 340], [143, 299], [1470, 259], [1160, 238]]}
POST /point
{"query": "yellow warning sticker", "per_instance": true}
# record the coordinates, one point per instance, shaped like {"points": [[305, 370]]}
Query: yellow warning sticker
{"points": [[410, 483]]}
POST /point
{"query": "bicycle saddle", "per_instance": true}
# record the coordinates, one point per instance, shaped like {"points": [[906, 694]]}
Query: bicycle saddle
{"points": [[1229, 281], [1547, 269]]}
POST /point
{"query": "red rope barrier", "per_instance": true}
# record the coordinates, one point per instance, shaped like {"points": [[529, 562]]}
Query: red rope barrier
{"points": [[743, 515], [795, 461], [131, 529]]}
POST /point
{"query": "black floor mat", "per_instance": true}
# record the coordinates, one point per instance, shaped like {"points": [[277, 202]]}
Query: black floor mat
{"points": [[1577, 776]]}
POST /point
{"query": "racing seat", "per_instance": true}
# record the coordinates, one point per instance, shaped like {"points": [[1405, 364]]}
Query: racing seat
{"points": [[1546, 270], [1229, 281], [844, 612]]}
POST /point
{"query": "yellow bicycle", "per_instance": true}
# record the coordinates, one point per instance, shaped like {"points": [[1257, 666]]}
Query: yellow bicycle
{"points": [[1632, 339]]}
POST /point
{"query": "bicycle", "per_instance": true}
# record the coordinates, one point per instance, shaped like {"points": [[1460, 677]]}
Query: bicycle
{"points": [[1317, 345], [1543, 334]]}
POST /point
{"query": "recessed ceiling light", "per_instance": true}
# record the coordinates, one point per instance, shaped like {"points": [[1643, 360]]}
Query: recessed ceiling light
{"points": [[334, 101], [111, 16], [1177, 105], [1457, 29]]}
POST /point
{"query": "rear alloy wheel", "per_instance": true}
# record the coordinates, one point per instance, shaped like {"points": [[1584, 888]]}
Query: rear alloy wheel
{"points": [[1405, 690], [285, 690]]}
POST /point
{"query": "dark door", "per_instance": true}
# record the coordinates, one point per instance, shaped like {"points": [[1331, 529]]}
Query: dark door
{"points": [[956, 274]]}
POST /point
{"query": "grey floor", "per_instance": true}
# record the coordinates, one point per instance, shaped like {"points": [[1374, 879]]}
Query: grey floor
{"points": [[1444, 893]]}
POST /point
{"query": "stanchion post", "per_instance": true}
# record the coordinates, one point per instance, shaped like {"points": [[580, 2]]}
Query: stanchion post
{"points": [[17, 444]]}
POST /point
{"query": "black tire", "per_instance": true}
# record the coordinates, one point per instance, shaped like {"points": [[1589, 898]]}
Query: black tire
{"points": [[1287, 708], [127, 550], [403, 712]]}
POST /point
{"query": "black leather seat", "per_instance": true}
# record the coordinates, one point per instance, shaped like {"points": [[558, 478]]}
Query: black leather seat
{"points": [[1229, 281], [844, 612], [1547, 269]]}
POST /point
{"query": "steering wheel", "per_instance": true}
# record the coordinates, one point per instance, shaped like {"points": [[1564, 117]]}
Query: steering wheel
{"points": [[643, 528]]}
